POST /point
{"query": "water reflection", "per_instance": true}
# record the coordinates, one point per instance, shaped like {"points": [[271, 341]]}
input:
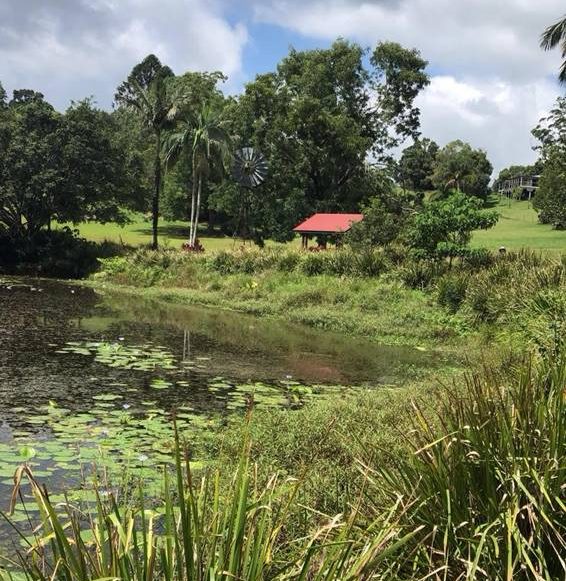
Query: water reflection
{"points": [[38, 317]]}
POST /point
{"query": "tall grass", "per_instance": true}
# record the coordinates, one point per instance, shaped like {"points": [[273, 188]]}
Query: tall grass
{"points": [[197, 531], [489, 484]]}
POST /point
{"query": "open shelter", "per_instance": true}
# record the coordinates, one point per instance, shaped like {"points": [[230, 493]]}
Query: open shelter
{"points": [[319, 224]]}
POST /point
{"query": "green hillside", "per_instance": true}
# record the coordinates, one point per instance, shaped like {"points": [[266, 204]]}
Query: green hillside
{"points": [[518, 227]]}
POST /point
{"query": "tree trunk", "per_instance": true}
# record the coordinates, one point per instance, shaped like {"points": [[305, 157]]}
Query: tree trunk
{"points": [[197, 209], [156, 189], [193, 200]]}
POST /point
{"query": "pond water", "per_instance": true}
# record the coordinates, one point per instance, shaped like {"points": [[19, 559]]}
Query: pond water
{"points": [[92, 379]]}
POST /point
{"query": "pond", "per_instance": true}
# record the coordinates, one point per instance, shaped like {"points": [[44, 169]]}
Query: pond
{"points": [[89, 379]]}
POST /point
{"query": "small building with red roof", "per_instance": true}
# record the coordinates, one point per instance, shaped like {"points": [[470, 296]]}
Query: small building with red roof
{"points": [[326, 224]]}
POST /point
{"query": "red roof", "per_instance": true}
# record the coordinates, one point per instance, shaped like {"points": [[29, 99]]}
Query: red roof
{"points": [[328, 223]]}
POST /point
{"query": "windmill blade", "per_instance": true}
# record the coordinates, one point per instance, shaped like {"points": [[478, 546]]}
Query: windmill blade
{"points": [[250, 167]]}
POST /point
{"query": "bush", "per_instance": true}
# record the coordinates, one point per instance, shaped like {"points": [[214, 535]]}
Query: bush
{"points": [[370, 263], [56, 253], [147, 268], [313, 263], [451, 291], [420, 274]]}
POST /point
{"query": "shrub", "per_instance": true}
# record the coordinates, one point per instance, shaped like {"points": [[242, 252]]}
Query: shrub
{"points": [[370, 263], [314, 263], [223, 262], [57, 253], [478, 258], [420, 274], [451, 290]]}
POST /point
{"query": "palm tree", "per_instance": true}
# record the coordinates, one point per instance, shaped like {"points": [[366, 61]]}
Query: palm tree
{"points": [[147, 92], [552, 37], [203, 138]]}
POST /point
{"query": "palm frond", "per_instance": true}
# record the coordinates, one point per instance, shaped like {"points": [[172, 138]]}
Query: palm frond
{"points": [[552, 36]]}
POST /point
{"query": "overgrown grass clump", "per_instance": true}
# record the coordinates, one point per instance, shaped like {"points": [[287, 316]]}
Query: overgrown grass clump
{"points": [[488, 486]]}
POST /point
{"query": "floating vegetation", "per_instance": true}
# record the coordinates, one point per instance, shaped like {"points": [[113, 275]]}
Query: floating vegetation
{"points": [[117, 354], [126, 430], [161, 384], [72, 448]]}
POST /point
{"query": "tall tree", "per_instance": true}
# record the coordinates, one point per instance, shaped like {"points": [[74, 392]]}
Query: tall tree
{"points": [[460, 167], [550, 198], [31, 165], [59, 166], [199, 89], [204, 139], [553, 36], [317, 118], [149, 92], [398, 77], [416, 165]]}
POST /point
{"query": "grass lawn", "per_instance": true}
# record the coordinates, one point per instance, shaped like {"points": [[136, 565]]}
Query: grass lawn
{"points": [[518, 227], [138, 233]]}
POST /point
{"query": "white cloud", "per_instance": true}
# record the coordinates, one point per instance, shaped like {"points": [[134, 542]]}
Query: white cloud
{"points": [[491, 82], [492, 114], [500, 36], [72, 48]]}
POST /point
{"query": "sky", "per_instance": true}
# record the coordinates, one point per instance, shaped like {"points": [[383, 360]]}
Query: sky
{"points": [[490, 81]]}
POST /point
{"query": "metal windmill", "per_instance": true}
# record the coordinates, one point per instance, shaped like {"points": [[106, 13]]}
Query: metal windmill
{"points": [[249, 171]]}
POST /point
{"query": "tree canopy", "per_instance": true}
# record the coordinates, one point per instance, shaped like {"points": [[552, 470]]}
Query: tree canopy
{"points": [[317, 118], [550, 198], [416, 165], [460, 167], [59, 166]]}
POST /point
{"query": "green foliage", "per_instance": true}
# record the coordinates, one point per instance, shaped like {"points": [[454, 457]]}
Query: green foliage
{"points": [[386, 219], [421, 274], [416, 165], [59, 167], [487, 485], [149, 93], [59, 253], [444, 227], [553, 36], [200, 136], [451, 291], [550, 199], [458, 166], [342, 262], [322, 443], [398, 78], [3, 98]]}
